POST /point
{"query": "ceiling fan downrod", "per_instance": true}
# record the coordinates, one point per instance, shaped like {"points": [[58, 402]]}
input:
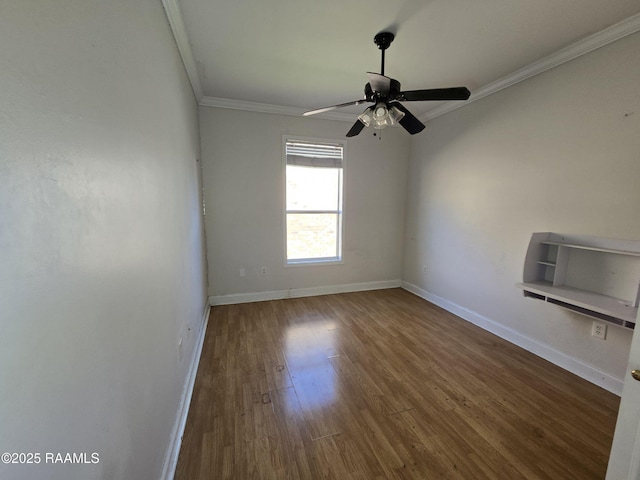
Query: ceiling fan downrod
{"points": [[383, 40]]}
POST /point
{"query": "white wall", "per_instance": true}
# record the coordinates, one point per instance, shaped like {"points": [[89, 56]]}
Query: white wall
{"points": [[559, 152], [101, 239], [244, 195]]}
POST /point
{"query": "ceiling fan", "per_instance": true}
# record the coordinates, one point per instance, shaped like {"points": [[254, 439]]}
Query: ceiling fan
{"points": [[385, 94]]}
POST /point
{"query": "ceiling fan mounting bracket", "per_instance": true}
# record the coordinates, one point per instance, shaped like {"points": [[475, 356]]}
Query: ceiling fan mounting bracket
{"points": [[383, 40]]}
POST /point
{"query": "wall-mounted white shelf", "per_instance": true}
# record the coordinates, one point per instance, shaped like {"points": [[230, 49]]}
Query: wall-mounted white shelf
{"points": [[597, 277]]}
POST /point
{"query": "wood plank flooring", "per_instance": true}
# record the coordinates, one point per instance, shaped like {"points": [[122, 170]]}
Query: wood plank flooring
{"points": [[383, 385]]}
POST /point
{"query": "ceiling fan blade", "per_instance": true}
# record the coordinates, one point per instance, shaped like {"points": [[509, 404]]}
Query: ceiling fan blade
{"points": [[356, 129], [410, 123], [456, 93], [379, 83], [333, 107]]}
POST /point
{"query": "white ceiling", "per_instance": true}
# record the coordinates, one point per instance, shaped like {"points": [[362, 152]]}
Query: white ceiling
{"points": [[306, 54]]}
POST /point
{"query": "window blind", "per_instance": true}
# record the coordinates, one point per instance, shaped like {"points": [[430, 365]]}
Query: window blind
{"points": [[314, 155]]}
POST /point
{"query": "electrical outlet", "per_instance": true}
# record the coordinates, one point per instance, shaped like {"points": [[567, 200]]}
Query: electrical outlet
{"points": [[243, 272], [599, 330], [264, 271], [424, 268]]}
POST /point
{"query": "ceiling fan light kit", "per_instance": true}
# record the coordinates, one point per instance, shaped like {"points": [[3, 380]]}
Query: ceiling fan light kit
{"points": [[386, 94], [380, 116]]}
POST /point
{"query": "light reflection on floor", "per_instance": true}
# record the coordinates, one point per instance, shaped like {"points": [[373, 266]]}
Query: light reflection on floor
{"points": [[307, 350]]}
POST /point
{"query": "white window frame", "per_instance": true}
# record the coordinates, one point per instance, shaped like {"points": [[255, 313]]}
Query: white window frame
{"points": [[339, 259]]}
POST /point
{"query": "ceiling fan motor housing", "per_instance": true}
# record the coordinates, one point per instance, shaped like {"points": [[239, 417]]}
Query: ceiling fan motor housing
{"points": [[371, 95], [394, 88]]}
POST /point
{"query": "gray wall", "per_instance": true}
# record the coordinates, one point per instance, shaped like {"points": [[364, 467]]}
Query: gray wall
{"points": [[101, 240], [244, 195], [559, 152]]}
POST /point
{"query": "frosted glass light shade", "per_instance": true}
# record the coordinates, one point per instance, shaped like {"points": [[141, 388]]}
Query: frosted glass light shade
{"points": [[381, 116]]}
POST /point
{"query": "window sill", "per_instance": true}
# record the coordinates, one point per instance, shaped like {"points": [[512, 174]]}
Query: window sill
{"points": [[309, 262]]}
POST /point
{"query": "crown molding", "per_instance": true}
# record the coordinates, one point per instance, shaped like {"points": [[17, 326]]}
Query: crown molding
{"points": [[581, 47], [268, 108], [174, 15], [599, 39]]}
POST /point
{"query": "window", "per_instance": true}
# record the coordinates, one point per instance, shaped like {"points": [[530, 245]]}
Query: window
{"points": [[314, 173]]}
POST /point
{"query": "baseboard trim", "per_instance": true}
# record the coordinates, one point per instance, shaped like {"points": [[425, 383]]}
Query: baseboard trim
{"points": [[171, 457], [301, 292], [573, 365]]}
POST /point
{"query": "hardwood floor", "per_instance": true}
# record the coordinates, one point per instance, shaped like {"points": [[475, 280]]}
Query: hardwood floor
{"points": [[381, 385]]}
